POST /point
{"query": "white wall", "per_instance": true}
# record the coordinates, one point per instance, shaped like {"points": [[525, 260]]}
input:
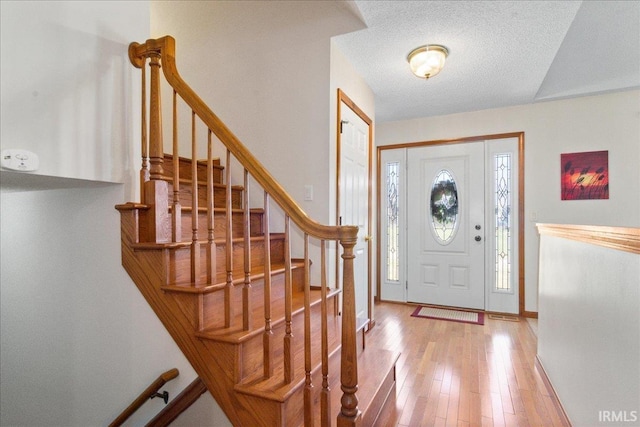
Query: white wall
{"points": [[605, 122], [589, 329], [66, 85], [77, 341]]}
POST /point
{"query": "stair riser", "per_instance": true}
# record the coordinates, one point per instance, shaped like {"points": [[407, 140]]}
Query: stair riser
{"points": [[269, 414], [220, 225], [213, 314], [207, 311], [219, 196], [293, 408], [185, 169], [384, 393], [251, 367], [291, 412], [179, 263]]}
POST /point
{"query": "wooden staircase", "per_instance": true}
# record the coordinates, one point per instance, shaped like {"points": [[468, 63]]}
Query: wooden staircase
{"points": [[270, 346]]}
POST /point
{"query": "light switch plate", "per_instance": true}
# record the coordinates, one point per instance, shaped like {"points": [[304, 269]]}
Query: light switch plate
{"points": [[19, 160], [308, 192]]}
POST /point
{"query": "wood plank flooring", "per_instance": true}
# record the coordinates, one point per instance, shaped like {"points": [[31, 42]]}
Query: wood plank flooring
{"points": [[456, 374]]}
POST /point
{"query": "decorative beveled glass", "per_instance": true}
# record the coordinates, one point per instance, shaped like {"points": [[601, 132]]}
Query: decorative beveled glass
{"points": [[444, 215]]}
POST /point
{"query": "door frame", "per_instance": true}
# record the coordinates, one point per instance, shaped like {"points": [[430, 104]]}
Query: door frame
{"points": [[521, 195], [343, 98]]}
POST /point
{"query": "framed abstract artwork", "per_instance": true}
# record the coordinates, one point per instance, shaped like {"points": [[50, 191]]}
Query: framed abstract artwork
{"points": [[585, 175]]}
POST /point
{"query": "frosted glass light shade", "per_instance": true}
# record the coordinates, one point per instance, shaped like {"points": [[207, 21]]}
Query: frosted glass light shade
{"points": [[427, 61]]}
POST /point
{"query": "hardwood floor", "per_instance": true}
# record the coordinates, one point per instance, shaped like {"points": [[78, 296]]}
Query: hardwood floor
{"points": [[456, 374]]}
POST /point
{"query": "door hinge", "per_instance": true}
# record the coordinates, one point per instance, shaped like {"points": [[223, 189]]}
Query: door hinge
{"points": [[406, 285], [342, 123]]}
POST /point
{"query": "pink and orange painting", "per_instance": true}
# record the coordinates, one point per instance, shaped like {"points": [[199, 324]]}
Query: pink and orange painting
{"points": [[585, 175]]}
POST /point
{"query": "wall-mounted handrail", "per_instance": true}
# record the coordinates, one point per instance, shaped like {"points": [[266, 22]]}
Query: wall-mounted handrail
{"points": [[147, 394], [179, 404]]}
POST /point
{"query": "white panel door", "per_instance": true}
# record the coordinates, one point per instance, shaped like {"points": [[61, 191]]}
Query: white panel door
{"points": [[445, 189], [354, 198]]}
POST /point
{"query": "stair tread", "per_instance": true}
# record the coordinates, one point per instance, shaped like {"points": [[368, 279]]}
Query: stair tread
{"points": [[132, 206], [235, 334], [169, 179], [221, 279], [142, 206], [204, 209], [361, 323], [184, 244], [216, 160], [374, 365]]}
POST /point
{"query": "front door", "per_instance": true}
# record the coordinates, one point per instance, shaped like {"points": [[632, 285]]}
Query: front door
{"points": [[354, 197], [445, 217]]}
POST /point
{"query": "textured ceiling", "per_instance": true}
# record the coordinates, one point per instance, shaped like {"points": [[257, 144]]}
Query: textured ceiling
{"points": [[501, 52]]}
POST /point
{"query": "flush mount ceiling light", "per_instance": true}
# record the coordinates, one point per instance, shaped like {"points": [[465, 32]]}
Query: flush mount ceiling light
{"points": [[427, 61]]}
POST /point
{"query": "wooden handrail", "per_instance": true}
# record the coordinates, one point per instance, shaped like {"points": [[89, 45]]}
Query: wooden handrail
{"points": [[178, 405], [144, 396], [165, 47], [161, 54]]}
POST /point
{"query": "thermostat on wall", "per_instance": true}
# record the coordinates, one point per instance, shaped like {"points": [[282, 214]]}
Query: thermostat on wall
{"points": [[19, 160]]}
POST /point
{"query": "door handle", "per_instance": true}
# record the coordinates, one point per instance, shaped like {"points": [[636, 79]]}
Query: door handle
{"points": [[368, 238], [478, 238]]}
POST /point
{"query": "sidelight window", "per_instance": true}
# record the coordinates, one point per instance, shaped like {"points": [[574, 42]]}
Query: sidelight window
{"points": [[503, 221], [393, 226]]}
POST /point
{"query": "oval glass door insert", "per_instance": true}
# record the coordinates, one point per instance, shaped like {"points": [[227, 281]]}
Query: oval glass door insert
{"points": [[444, 207]]}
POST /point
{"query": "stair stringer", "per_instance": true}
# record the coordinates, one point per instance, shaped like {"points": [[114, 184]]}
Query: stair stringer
{"points": [[211, 361]]}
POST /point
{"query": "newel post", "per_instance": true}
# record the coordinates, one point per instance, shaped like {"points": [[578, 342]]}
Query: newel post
{"points": [[155, 191], [349, 415], [156, 149]]}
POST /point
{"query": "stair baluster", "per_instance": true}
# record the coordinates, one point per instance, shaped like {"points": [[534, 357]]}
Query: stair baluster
{"points": [[228, 309], [176, 212], [308, 386], [325, 394], [267, 340], [247, 320], [288, 336], [144, 170], [195, 243], [211, 244]]}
